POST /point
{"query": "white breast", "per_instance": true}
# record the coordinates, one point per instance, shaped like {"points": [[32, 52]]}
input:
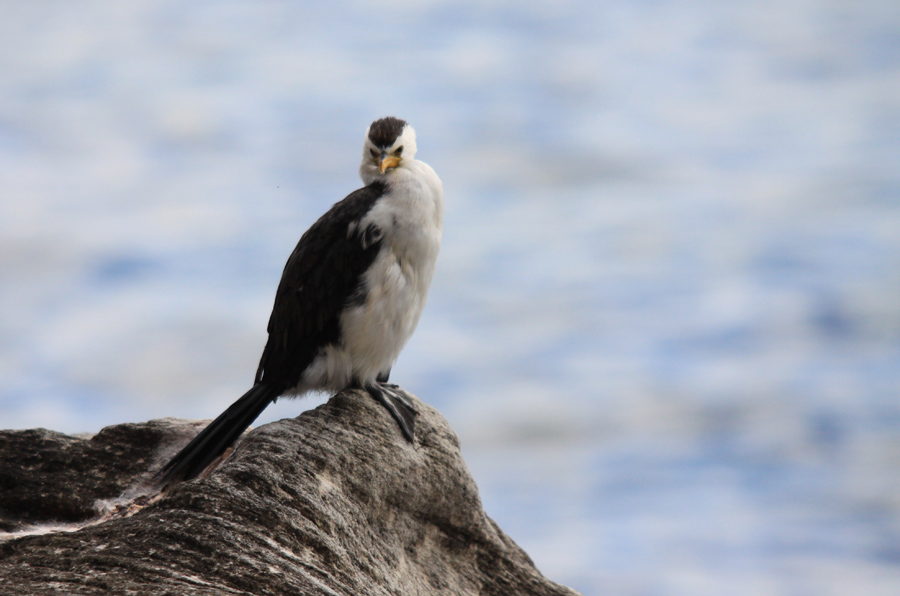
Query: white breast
{"points": [[373, 333]]}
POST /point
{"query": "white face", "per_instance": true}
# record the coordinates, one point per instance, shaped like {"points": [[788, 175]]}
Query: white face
{"points": [[382, 160]]}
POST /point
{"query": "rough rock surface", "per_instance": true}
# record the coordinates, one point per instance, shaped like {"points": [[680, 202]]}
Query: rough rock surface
{"points": [[332, 502]]}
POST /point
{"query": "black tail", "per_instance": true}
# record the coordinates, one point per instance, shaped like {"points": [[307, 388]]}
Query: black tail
{"points": [[218, 436]]}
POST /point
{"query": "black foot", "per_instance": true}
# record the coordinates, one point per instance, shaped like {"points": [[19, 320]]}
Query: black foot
{"points": [[400, 407]]}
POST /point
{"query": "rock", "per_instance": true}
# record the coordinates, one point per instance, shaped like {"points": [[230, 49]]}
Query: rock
{"points": [[331, 502], [46, 475]]}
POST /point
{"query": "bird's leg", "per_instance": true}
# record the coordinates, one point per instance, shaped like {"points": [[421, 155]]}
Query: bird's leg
{"points": [[400, 407]]}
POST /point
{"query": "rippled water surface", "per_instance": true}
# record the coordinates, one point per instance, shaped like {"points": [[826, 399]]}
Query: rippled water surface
{"points": [[665, 321]]}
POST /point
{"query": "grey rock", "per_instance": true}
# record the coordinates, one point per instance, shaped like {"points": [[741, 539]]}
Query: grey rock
{"points": [[48, 476], [332, 502]]}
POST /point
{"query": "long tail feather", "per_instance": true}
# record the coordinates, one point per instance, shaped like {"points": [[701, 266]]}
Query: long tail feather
{"points": [[218, 436]]}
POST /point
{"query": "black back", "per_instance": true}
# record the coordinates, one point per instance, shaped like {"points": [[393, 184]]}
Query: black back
{"points": [[321, 277]]}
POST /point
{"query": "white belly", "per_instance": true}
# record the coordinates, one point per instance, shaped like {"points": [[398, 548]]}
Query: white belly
{"points": [[374, 333]]}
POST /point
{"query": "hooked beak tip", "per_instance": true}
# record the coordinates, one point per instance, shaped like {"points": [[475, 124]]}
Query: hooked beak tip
{"points": [[386, 163]]}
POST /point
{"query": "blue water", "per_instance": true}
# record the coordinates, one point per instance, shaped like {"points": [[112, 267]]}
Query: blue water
{"points": [[665, 321]]}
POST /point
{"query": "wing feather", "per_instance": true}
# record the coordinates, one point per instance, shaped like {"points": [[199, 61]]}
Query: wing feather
{"points": [[321, 277]]}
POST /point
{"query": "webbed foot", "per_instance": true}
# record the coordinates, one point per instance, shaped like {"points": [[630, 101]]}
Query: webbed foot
{"points": [[401, 408]]}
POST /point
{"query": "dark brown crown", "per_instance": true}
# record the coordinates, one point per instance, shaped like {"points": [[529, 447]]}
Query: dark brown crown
{"points": [[385, 131]]}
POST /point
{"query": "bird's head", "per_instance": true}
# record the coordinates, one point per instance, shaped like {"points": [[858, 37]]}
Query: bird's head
{"points": [[389, 143]]}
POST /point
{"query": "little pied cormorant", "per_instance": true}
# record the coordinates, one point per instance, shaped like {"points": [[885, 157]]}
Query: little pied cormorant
{"points": [[350, 296]]}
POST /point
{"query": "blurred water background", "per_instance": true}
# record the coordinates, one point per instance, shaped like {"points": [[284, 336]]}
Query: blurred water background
{"points": [[665, 321]]}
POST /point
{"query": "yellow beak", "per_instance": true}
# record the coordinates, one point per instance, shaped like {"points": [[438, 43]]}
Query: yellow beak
{"points": [[388, 162]]}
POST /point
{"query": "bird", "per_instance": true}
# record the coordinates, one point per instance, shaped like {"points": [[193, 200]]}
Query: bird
{"points": [[350, 296]]}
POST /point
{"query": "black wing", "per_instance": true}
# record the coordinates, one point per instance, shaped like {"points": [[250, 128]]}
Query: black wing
{"points": [[320, 278]]}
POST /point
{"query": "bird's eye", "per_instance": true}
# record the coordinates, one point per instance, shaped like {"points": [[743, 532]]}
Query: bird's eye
{"points": [[399, 150], [374, 153]]}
